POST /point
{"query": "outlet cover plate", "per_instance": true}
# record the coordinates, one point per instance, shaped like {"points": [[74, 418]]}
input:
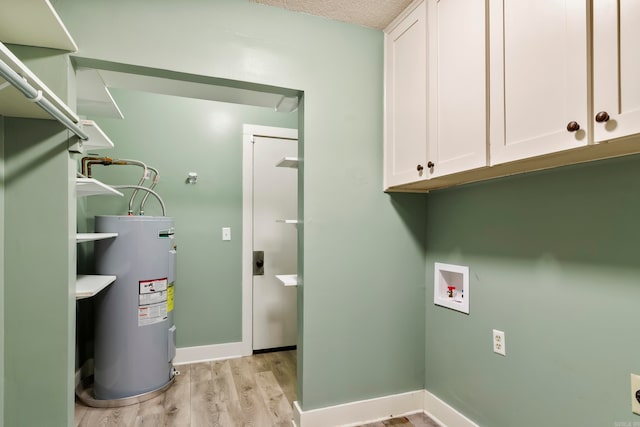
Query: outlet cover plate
{"points": [[499, 344]]}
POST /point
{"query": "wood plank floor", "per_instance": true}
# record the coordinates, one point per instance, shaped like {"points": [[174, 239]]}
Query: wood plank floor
{"points": [[254, 391]]}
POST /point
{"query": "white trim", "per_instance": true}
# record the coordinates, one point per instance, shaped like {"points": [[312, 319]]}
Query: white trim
{"points": [[205, 353], [443, 413], [361, 412], [248, 133], [412, 6], [269, 131], [382, 408]]}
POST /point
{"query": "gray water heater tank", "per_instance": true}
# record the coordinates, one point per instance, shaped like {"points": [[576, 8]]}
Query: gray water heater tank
{"points": [[134, 331]]}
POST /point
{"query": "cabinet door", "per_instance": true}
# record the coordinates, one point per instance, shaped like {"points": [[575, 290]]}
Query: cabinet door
{"points": [[456, 34], [616, 68], [406, 97], [538, 80]]}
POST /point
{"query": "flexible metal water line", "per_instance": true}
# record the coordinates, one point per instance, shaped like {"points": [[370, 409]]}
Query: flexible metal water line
{"points": [[145, 175], [150, 191], [156, 178], [35, 95]]}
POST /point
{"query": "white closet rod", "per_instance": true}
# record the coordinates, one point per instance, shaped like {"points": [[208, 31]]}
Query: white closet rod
{"points": [[36, 96]]}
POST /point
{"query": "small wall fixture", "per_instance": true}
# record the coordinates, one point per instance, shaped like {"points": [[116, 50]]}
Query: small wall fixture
{"points": [[192, 178], [451, 286]]}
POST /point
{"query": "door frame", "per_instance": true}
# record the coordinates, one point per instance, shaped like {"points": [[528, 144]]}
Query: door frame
{"points": [[248, 133]]}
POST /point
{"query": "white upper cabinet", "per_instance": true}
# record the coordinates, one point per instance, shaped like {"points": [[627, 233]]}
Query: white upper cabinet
{"points": [[539, 81], [616, 68], [478, 89], [457, 85], [405, 152]]}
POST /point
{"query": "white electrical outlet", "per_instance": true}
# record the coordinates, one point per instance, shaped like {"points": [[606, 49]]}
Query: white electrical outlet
{"points": [[635, 394], [499, 344]]}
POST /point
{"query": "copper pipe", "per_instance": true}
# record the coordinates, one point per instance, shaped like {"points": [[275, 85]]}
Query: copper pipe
{"points": [[86, 159]]}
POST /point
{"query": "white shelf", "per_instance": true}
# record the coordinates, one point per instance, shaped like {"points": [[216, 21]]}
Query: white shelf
{"points": [[34, 23], [89, 285], [289, 162], [98, 140], [93, 97], [91, 187], [13, 103], [289, 221], [288, 279], [90, 237]]}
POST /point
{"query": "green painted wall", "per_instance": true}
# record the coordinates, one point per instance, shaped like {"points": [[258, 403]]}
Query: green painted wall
{"points": [[362, 252], [553, 260], [2, 243], [176, 136], [38, 296], [39, 259]]}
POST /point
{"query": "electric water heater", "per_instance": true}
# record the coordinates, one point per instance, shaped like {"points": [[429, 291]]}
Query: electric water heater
{"points": [[134, 331]]}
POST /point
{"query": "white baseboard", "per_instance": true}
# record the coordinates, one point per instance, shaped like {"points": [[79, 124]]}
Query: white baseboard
{"points": [[360, 412], [381, 408], [206, 353], [443, 413]]}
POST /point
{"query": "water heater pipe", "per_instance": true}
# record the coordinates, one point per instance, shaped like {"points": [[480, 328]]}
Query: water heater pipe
{"points": [[88, 161], [156, 178], [145, 175], [140, 187], [106, 161]]}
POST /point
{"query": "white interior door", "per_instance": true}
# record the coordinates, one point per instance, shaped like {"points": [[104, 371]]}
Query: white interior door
{"points": [[275, 193]]}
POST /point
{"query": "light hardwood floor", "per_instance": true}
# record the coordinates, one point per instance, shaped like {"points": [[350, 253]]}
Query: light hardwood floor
{"points": [[254, 391]]}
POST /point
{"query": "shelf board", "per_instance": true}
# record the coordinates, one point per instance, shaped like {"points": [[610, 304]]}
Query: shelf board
{"points": [[91, 187], [98, 140], [288, 279], [289, 221], [93, 97], [13, 103], [34, 23], [288, 162], [90, 237], [89, 285]]}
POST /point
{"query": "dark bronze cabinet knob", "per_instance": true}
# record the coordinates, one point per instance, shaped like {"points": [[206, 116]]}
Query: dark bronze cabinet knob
{"points": [[430, 164], [573, 127], [419, 168], [602, 117]]}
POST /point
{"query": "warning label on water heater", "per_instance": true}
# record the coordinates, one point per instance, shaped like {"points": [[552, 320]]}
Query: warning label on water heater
{"points": [[152, 301]]}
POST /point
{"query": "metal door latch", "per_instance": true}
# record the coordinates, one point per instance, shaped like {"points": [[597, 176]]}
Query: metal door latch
{"points": [[258, 263]]}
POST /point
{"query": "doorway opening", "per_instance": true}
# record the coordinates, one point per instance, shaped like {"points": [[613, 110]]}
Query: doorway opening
{"points": [[270, 240]]}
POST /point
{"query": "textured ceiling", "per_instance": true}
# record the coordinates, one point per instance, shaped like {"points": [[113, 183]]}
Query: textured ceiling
{"points": [[368, 13]]}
